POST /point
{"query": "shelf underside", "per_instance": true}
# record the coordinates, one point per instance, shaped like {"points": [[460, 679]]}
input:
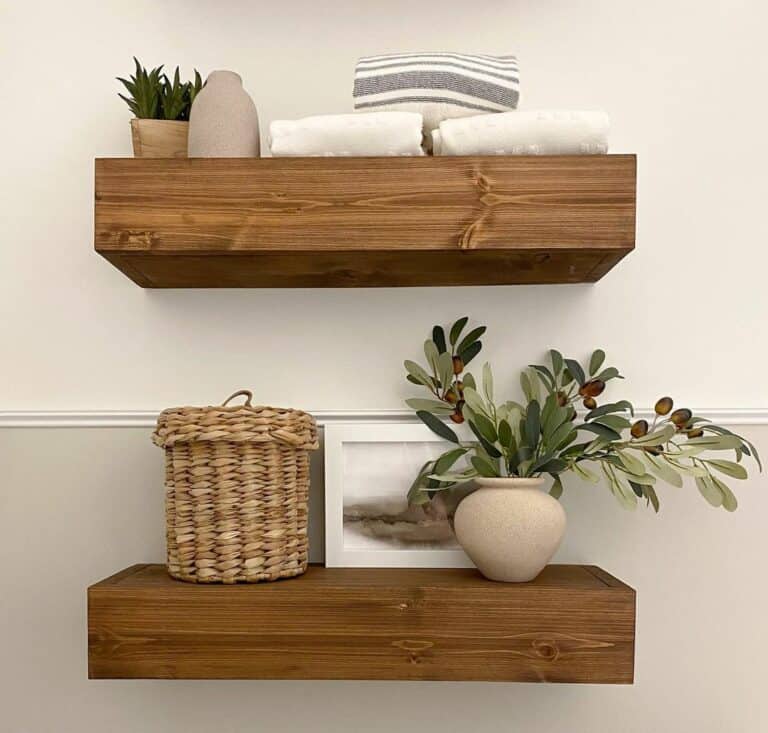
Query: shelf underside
{"points": [[572, 624], [365, 222]]}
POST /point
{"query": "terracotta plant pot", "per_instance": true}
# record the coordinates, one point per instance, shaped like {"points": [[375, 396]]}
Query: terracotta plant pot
{"points": [[159, 138], [510, 528]]}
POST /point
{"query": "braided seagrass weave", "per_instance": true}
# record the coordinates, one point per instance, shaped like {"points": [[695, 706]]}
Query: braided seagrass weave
{"points": [[237, 485]]}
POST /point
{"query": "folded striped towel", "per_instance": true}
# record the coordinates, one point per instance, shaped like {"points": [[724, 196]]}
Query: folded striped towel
{"points": [[525, 132], [372, 134], [438, 85]]}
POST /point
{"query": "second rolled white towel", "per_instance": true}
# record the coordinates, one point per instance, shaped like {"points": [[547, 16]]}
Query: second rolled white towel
{"points": [[524, 132], [366, 134]]}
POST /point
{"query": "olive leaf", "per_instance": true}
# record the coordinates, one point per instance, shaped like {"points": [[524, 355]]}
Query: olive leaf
{"points": [[488, 382], [470, 353], [434, 406], [417, 372], [596, 361], [456, 330], [575, 370], [438, 336], [437, 426], [709, 490], [729, 468], [484, 467], [557, 361], [473, 336]]}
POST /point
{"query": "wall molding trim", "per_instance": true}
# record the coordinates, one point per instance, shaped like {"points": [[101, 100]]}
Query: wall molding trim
{"points": [[147, 418]]}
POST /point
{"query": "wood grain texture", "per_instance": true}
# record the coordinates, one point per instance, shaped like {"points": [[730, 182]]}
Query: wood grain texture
{"points": [[352, 222], [572, 624]]}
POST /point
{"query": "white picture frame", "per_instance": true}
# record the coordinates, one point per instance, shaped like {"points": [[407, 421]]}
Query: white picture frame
{"points": [[339, 438]]}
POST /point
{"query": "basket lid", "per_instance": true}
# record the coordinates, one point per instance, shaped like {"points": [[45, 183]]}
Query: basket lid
{"points": [[236, 424]]}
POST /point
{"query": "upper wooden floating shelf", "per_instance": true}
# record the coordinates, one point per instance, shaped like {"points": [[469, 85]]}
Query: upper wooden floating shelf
{"points": [[572, 624], [365, 222]]}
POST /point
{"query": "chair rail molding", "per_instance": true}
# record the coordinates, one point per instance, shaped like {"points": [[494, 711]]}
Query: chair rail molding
{"points": [[147, 418]]}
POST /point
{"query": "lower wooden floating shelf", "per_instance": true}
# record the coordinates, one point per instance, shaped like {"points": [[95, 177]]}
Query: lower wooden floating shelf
{"points": [[574, 623]]}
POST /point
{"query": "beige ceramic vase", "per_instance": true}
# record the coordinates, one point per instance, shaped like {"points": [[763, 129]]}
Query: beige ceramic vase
{"points": [[510, 528], [223, 122]]}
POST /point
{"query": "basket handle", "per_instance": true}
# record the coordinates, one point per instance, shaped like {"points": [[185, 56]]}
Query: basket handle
{"points": [[240, 393]]}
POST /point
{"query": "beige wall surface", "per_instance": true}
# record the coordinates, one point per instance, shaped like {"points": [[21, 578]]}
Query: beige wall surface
{"points": [[78, 504], [682, 315]]}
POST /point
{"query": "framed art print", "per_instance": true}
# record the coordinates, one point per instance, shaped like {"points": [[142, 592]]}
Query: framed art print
{"points": [[369, 468]]}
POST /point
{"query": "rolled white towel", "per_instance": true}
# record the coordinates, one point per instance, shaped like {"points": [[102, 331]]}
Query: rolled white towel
{"points": [[524, 132], [372, 133]]}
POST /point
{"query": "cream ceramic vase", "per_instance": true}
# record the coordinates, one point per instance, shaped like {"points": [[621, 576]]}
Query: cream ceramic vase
{"points": [[510, 528], [223, 122]]}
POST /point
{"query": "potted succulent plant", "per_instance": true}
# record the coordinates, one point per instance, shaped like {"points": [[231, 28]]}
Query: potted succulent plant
{"points": [[508, 526], [161, 107]]}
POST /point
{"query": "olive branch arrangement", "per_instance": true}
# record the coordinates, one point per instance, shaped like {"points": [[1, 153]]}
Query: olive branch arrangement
{"points": [[156, 97], [546, 435]]}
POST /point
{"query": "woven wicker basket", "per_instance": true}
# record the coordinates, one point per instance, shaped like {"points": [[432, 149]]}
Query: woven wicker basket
{"points": [[237, 484]]}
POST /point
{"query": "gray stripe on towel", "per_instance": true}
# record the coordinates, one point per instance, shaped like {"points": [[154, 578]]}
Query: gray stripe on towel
{"points": [[511, 76], [500, 62], [437, 80], [440, 100]]}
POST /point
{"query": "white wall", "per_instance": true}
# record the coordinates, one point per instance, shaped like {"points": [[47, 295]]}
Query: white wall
{"points": [[683, 315]]}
